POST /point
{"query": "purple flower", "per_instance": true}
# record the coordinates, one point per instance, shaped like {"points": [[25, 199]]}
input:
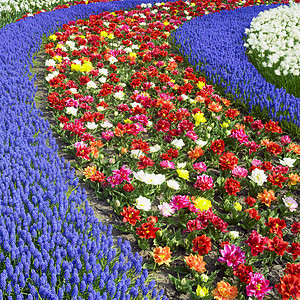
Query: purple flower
{"points": [[232, 255]]}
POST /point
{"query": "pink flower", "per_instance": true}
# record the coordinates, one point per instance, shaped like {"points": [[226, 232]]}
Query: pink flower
{"points": [[107, 135], [200, 167], [119, 176], [204, 182], [256, 162], [232, 256], [180, 201], [239, 172], [258, 286], [166, 209], [191, 134], [240, 135], [285, 140], [167, 164]]}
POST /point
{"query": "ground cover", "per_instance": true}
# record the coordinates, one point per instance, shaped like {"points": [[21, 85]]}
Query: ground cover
{"points": [[185, 170]]}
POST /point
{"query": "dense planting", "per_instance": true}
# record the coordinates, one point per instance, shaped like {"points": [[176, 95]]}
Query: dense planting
{"points": [[185, 170], [51, 245], [273, 43], [222, 57]]}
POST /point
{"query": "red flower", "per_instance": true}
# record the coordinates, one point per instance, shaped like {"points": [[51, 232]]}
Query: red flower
{"points": [[293, 269], [98, 176], [295, 228], [218, 146], [277, 245], [202, 244], [289, 287], [250, 200], [257, 243], [83, 152], [232, 186], [294, 250], [84, 80], [228, 161], [274, 148], [276, 225], [130, 215], [253, 213], [272, 126], [243, 273], [153, 220], [128, 187], [277, 179], [232, 113], [147, 231], [162, 125], [140, 145], [145, 162]]}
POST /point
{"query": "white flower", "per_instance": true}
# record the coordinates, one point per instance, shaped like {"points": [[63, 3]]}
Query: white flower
{"points": [[112, 60], [173, 184], [91, 125], [50, 63], [178, 143], [181, 165], [119, 95], [287, 161], [136, 153], [233, 234], [71, 110], [201, 143], [155, 148], [91, 85], [103, 72], [143, 203], [106, 124], [77, 62], [147, 178], [258, 176], [102, 79], [73, 91]]}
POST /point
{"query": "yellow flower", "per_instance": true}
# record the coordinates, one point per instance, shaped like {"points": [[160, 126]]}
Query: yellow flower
{"points": [[110, 36], [82, 36], [86, 67], [199, 118], [237, 206], [193, 4], [200, 85], [52, 37], [113, 13], [75, 67], [57, 57], [166, 23], [132, 54], [59, 46], [104, 33], [201, 291], [128, 121], [202, 203], [183, 174], [225, 125]]}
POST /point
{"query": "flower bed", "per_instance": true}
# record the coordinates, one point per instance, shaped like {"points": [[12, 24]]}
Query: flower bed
{"points": [[222, 57], [52, 246], [185, 170]]}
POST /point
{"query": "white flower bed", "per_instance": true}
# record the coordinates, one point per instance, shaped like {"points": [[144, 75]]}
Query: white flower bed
{"points": [[274, 36]]}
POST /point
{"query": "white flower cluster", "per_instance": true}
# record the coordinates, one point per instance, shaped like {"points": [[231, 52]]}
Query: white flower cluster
{"points": [[26, 6], [275, 35]]}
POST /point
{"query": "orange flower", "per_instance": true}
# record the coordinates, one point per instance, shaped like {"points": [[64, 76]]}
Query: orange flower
{"points": [[226, 102], [195, 262], [225, 291], [215, 107], [89, 171], [294, 147], [171, 66], [267, 197], [124, 150], [294, 178], [95, 151], [265, 142], [240, 126], [200, 99], [194, 154], [98, 144], [162, 255]]}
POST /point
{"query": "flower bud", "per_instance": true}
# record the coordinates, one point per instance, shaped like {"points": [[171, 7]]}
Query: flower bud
{"points": [[237, 206], [204, 278]]}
